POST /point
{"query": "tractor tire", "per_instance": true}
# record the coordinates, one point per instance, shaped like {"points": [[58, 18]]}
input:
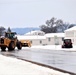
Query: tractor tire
{"points": [[19, 45], [11, 46], [3, 48]]}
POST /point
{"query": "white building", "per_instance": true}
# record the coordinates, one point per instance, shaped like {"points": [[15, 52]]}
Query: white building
{"points": [[54, 38], [71, 34], [38, 38], [35, 39], [37, 32]]}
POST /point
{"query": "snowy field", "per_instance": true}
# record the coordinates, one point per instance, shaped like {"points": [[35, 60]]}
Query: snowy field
{"points": [[13, 66]]}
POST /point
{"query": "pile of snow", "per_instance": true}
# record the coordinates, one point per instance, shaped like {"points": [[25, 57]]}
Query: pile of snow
{"points": [[71, 29], [36, 32], [30, 37], [13, 66], [55, 34], [54, 47]]}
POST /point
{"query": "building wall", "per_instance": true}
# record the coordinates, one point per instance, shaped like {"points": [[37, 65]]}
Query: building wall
{"points": [[71, 35], [47, 41], [38, 41], [61, 40], [43, 40], [74, 41], [54, 41]]}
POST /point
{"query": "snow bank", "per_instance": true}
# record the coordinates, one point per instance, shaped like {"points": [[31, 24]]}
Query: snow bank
{"points": [[13, 66], [54, 47]]}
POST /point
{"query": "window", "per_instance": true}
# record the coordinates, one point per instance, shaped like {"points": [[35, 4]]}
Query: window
{"points": [[62, 39], [40, 41], [49, 39], [10, 35]]}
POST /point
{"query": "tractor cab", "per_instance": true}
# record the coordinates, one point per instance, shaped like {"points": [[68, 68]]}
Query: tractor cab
{"points": [[10, 35]]}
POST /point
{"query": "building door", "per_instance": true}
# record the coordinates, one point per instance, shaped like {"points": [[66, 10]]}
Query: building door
{"points": [[56, 40]]}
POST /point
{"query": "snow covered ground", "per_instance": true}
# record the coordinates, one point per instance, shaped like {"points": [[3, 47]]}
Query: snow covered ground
{"points": [[54, 47], [13, 66]]}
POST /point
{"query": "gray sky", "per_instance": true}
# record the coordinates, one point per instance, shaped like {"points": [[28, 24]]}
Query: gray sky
{"points": [[33, 13]]}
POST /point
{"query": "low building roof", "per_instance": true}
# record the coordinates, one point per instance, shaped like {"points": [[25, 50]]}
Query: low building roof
{"points": [[23, 37], [55, 34], [36, 32], [71, 29]]}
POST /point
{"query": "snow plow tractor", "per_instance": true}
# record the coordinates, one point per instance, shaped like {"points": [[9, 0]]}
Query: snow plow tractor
{"points": [[9, 41]]}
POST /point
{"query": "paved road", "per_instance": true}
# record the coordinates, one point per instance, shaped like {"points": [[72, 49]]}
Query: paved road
{"points": [[61, 59]]}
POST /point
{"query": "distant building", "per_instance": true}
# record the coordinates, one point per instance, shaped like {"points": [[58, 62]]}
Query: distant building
{"points": [[40, 38], [36, 32], [54, 38], [71, 34], [34, 39]]}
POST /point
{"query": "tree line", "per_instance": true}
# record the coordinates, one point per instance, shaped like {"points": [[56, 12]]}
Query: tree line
{"points": [[55, 25], [2, 30]]}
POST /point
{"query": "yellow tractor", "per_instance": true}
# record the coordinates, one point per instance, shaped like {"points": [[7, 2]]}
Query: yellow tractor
{"points": [[25, 43], [9, 41]]}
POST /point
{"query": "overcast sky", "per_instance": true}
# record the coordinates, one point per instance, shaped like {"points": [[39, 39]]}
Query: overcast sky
{"points": [[33, 13]]}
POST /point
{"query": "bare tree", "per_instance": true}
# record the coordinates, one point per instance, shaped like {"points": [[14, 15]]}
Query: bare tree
{"points": [[55, 25], [50, 26], [50, 22], [2, 29], [8, 30]]}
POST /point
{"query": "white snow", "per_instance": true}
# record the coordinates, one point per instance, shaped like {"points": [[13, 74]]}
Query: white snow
{"points": [[13, 66], [30, 37], [71, 29], [36, 32], [55, 34], [54, 47]]}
